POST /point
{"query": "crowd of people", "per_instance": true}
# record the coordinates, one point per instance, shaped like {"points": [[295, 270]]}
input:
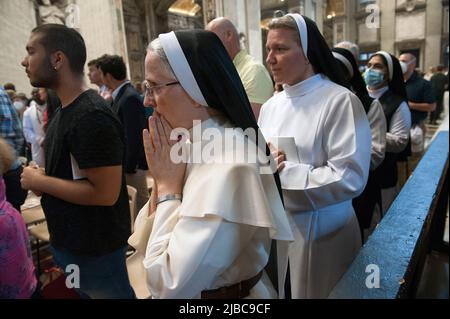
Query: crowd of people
{"points": [[286, 225]]}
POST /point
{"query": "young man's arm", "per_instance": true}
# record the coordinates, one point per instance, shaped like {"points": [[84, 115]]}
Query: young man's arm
{"points": [[97, 147], [102, 187]]}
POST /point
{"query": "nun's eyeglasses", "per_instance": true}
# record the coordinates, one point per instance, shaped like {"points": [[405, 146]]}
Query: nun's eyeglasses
{"points": [[151, 89]]}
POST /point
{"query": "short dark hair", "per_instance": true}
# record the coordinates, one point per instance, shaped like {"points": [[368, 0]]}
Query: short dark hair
{"points": [[58, 37], [9, 86], [440, 68], [100, 59], [114, 65], [92, 62]]}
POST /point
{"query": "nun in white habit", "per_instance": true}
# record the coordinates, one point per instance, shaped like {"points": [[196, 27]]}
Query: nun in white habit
{"points": [[207, 230], [333, 144]]}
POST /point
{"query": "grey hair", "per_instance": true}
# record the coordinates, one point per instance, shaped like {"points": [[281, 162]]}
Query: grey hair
{"points": [[352, 47], [156, 47], [285, 22]]}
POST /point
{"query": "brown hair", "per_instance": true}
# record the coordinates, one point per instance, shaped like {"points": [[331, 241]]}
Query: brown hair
{"points": [[440, 68], [93, 62], [285, 22]]}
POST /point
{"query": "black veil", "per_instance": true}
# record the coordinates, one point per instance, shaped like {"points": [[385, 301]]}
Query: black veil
{"points": [[397, 84], [216, 76], [219, 80], [357, 83], [320, 56]]}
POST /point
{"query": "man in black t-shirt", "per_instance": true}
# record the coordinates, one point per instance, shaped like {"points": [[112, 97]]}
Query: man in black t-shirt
{"points": [[84, 192]]}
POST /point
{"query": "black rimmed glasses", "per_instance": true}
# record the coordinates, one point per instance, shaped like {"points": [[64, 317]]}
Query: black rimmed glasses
{"points": [[151, 89]]}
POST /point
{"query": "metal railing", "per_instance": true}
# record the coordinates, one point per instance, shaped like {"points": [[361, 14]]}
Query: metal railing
{"points": [[390, 264]]}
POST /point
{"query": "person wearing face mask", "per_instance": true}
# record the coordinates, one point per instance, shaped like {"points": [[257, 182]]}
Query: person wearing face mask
{"points": [[385, 82], [20, 104], [421, 100]]}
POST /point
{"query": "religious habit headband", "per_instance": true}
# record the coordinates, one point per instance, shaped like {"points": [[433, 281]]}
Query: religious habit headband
{"points": [[346, 62], [390, 63], [303, 30], [180, 66]]}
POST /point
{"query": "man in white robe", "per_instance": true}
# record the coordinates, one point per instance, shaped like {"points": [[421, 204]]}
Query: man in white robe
{"points": [[333, 142]]}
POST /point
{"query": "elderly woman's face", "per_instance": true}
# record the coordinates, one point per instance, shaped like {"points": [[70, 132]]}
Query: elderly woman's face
{"points": [[169, 101], [285, 57]]}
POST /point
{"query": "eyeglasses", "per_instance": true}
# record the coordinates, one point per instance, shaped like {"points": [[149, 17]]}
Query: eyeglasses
{"points": [[151, 89]]}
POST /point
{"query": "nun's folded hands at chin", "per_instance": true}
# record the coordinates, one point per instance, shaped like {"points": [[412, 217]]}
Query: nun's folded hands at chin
{"points": [[168, 175]]}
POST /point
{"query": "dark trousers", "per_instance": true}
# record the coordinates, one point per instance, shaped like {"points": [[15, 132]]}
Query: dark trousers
{"points": [[434, 116], [14, 192], [100, 277], [365, 203]]}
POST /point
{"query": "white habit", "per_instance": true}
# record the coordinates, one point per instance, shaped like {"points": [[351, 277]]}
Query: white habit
{"points": [[378, 127], [333, 142], [217, 236]]}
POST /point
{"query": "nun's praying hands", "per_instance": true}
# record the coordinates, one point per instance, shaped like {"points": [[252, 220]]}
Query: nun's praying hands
{"points": [[168, 175]]}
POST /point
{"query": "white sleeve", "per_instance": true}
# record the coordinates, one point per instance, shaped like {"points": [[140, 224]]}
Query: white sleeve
{"points": [[378, 126], [28, 132], [186, 254], [344, 173], [397, 136], [262, 113]]}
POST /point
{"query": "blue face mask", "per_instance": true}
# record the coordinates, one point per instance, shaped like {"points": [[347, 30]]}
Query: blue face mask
{"points": [[373, 77]]}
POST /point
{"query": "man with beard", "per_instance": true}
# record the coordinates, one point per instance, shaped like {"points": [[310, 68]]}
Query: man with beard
{"points": [[84, 193]]}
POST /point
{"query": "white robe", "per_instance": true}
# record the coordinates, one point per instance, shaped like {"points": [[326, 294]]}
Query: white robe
{"points": [[218, 235], [378, 127], [333, 141], [33, 130]]}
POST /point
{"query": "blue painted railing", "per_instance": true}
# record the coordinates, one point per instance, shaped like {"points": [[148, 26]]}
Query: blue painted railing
{"points": [[395, 252]]}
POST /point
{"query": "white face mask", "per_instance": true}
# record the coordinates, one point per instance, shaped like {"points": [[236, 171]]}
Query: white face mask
{"points": [[405, 66], [19, 105]]}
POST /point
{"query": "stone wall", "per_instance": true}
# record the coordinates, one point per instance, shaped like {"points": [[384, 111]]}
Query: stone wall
{"points": [[18, 18], [101, 25]]}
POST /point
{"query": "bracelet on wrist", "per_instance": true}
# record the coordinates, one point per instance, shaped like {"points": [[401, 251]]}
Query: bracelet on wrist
{"points": [[166, 198]]}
